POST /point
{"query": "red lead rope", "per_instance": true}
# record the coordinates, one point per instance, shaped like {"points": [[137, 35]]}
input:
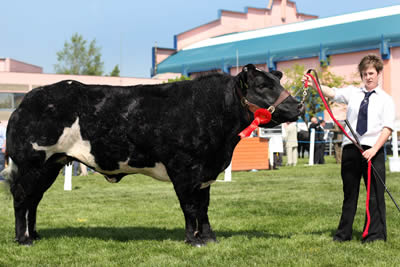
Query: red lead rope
{"points": [[365, 233]]}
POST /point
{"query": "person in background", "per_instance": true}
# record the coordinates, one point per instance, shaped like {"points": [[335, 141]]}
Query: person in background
{"points": [[319, 143], [337, 142], [290, 139], [371, 113], [276, 149], [316, 126], [2, 148]]}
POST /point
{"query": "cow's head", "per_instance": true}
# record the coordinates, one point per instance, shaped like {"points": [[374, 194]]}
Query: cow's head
{"points": [[263, 89]]}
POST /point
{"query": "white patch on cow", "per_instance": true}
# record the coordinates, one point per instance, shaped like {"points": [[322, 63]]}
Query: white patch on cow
{"points": [[70, 143], [207, 184], [69, 82], [27, 223], [158, 172]]}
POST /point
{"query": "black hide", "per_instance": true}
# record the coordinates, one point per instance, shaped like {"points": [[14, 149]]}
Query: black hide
{"points": [[190, 128]]}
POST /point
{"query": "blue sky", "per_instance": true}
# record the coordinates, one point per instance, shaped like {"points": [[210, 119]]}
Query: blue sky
{"points": [[126, 30]]}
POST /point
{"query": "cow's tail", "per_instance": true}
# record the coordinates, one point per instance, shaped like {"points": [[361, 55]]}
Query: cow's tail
{"points": [[10, 172]]}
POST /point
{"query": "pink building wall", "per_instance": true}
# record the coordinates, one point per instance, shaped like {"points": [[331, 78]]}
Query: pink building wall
{"points": [[163, 53], [12, 65], [35, 79], [279, 12], [20, 82], [254, 18]]}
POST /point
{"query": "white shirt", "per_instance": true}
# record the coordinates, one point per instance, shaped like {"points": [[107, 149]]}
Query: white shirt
{"points": [[2, 136], [276, 143], [381, 112]]}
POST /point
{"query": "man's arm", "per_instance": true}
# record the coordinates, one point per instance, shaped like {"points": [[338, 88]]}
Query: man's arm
{"points": [[383, 137]]}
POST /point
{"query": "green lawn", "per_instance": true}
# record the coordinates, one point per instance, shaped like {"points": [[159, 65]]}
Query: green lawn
{"points": [[283, 217]]}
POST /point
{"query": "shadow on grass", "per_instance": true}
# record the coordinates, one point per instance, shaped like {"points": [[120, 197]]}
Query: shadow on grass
{"points": [[357, 235], [124, 234]]}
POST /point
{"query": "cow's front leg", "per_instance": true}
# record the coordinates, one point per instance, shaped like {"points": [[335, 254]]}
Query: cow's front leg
{"points": [[189, 209], [205, 232], [194, 204]]}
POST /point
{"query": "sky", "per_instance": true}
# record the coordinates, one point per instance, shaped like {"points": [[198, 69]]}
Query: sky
{"points": [[126, 30]]}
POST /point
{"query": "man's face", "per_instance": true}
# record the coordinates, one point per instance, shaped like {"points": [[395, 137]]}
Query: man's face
{"points": [[370, 78]]}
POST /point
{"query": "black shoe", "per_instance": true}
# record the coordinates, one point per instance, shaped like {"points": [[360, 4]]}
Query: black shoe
{"points": [[338, 239], [372, 240]]}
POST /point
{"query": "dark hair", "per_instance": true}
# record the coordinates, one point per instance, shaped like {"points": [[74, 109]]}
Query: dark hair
{"points": [[370, 60]]}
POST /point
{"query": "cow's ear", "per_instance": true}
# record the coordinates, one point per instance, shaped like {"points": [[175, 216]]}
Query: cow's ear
{"points": [[248, 67], [277, 73]]}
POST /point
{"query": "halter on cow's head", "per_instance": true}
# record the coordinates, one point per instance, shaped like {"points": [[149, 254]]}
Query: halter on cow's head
{"points": [[259, 89]]}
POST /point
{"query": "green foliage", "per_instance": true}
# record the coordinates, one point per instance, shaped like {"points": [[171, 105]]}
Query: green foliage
{"points": [[283, 217], [294, 84], [178, 79], [115, 72], [78, 58]]}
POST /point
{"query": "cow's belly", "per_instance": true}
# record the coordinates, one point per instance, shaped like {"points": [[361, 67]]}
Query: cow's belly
{"points": [[71, 143], [158, 172]]}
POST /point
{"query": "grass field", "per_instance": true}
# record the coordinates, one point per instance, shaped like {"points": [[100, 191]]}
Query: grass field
{"points": [[283, 217]]}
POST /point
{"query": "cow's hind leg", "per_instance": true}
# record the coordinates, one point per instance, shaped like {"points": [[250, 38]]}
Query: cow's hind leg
{"points": [[28, 190]]}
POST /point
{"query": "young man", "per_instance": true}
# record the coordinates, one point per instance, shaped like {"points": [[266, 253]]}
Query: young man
{"points": [[371, 112]]}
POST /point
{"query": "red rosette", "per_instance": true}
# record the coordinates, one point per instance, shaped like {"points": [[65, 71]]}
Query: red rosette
{"points": [[261, 116]]}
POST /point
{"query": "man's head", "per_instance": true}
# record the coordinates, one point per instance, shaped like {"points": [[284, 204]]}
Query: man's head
{"points": [[314, 120], [369, 68]]}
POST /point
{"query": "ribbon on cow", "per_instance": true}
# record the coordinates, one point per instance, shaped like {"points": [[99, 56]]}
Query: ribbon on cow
{"points": [[261, 116]]}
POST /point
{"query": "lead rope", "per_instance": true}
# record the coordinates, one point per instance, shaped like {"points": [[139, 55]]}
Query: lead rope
{"points": [[365, 233]]}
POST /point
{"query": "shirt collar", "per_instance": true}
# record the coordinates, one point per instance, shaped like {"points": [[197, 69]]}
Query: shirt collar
{"points": [[377, 89]]}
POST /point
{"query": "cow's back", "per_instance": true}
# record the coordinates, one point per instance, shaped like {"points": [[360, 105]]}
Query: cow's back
{"points": [[140, 125]]}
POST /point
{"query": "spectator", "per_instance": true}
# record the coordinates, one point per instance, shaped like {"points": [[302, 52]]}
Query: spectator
{"points": [[291, 143], [319, 143], [2, 148]]}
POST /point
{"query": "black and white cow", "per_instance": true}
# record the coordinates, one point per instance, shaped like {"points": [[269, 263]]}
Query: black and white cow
{"points": [[183, 132]]}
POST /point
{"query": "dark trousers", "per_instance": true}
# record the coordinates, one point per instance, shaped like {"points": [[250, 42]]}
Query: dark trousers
{"points": [[353, 167], [319, 152]]}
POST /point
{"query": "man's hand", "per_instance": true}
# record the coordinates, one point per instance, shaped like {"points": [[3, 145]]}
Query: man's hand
{"points": [[369, 153]]}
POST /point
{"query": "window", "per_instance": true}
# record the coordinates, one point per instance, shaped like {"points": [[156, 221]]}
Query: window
{"points": [[10, 100], [17, 99], [6, 100]]}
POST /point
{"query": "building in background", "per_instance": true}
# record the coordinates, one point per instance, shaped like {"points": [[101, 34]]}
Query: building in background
{"points": [[17, 78], [278, 37]]}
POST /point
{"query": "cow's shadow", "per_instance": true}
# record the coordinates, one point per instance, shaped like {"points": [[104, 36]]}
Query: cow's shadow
{"points": [[125, 234]]}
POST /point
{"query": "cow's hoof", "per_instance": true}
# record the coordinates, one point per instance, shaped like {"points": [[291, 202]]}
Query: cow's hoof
{"points": [[25, 241], [195, 242], [36, 236]]}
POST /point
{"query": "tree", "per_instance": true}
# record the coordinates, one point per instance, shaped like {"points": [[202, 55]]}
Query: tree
{"points": [[179, 79], [313, 102], [77, 58], [115, 72]]}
